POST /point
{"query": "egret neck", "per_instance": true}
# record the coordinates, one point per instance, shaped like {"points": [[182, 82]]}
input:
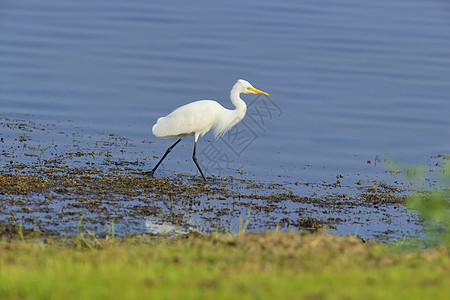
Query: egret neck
{"points": [[241, 107]]}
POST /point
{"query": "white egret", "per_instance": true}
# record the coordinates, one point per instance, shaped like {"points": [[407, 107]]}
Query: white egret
{"points": [[197, 118]]}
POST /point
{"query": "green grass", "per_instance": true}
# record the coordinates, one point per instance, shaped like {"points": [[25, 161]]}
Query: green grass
{"points": [[249, 266]]}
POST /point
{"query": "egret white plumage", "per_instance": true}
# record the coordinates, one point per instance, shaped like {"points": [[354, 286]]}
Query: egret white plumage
{"points": [[197, 118]]}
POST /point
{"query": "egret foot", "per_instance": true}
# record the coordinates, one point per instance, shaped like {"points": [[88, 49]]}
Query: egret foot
{"points": [[148, 173]]}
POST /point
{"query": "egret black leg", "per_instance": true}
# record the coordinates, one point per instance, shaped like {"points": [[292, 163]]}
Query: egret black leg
{"points": [[195, 160], [164, 156]]}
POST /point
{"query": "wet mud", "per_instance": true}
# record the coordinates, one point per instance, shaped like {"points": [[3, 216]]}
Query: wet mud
{"points": [[56, 179]]}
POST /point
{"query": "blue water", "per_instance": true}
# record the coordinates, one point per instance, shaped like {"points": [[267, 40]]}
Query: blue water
{"points": [[350, 81]]}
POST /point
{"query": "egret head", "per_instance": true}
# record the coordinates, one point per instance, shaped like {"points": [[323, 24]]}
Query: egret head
{"points": [[246, 88]]}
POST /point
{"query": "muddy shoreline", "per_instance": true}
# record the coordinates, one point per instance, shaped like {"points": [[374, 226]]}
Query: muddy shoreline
{"points": [[55, 178], [58, 196]]}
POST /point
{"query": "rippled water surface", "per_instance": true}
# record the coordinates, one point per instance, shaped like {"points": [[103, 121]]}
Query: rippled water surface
{"points": [[350, 81]]}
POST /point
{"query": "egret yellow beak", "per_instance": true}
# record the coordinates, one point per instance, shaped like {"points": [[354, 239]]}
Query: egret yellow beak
{"points": [[257, 91]]}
